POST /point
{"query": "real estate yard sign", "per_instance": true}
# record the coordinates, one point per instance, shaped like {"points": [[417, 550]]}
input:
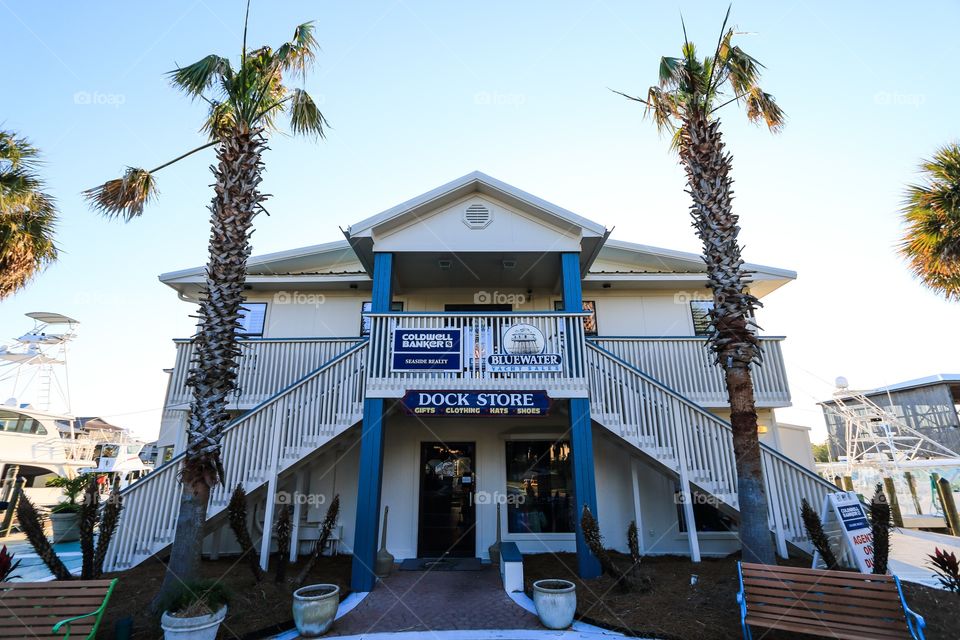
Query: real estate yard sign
{"points": [[843, 517]]}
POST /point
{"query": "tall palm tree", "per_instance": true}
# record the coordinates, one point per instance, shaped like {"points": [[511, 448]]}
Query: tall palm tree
{"points": [[931, 212], [685, 103], [244, 103], [28, 216]]}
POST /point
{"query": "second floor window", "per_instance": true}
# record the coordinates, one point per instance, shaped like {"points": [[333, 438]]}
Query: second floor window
{"points": [[252, 317], [700, 311], [366, 307], [589, 324]]}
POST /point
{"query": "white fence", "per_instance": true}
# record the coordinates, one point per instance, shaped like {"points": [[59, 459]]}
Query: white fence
{"points": [[266, 366], [686, 366]]}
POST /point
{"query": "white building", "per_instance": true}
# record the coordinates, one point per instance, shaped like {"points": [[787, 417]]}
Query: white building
{"points": [[477, 345]]}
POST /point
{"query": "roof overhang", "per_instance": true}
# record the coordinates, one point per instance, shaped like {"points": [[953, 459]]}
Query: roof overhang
{"points": [[363, 235]]}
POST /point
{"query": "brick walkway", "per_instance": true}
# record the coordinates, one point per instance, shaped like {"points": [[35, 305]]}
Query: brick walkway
{"points": [[425, 601]]}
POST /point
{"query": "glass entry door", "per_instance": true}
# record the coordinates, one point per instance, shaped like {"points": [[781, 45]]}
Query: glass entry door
{"points": [[447, 508]]}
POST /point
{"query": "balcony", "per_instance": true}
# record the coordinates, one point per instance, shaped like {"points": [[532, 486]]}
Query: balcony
{"points": [[472, 338], [686, 365], [267, 365]]}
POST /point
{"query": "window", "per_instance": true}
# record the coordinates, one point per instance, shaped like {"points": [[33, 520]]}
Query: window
{"points": [[252, 316], [17, 423], [366, 307], [589, 324], [539, 487], [700, 311]]}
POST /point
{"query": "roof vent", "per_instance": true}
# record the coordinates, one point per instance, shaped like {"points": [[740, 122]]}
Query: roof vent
{"points": [[477, 216]]}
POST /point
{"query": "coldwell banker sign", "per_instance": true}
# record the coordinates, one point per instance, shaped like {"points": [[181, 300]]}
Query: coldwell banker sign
{"points": [[427, 350], [476, 403], [522, 348]]}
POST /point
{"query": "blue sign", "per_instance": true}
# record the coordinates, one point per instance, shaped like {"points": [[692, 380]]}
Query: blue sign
{"points": [[853, 517], [427, 350], [476, 403]]}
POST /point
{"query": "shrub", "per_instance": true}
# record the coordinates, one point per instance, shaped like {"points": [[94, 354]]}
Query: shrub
{"points": [[947, 568], [72, 488], [7, 565], [819, 539], [237, 515], [633, 543], [108, 524], [880, 525], [32, 525], [326, 527], [282, 529], [625, 581], [197, 598]]}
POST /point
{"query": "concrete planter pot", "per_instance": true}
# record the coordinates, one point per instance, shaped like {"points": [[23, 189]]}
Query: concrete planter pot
{"points": [[314, 608], [195, 628], [65, 526], [556, 602]]}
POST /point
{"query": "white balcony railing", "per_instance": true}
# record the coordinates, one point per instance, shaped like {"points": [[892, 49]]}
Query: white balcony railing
{"points": [[267, 365], [686, 365], [482, 335]]}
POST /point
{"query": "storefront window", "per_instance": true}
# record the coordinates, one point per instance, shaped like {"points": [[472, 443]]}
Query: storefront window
{"points": [[539, 487]]}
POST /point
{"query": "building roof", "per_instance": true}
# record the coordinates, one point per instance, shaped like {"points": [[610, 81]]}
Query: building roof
{"points": [[348, 262]]}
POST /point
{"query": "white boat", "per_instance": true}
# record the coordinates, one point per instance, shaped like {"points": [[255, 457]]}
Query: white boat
{"points": [[38, 444]]}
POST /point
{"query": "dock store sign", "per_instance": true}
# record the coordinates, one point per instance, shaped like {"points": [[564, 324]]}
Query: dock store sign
{"points": [[427, 349], [522, 348], [476, 403]]}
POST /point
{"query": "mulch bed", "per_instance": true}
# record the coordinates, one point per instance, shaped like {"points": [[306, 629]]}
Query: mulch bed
{"points": [[673, 609], [255, 610]]}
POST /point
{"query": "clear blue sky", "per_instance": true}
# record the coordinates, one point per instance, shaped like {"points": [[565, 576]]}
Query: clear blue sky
{"points": [[419, 93]]}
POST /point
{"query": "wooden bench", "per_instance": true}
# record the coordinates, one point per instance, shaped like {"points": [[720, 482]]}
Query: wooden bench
{"points": [[62, 609], [834, 604]]}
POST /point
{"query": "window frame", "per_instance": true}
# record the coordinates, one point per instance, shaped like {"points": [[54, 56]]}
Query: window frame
{"points": [[366, 306], [263, 324]]}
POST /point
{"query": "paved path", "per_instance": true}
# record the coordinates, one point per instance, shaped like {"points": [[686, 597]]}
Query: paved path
{"points": [[909, 550], [436, 600]]}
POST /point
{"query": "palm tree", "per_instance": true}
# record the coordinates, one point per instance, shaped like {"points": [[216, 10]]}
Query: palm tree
{"points": [[931, 211], [685, 103], [244, 104], [28, 216]]}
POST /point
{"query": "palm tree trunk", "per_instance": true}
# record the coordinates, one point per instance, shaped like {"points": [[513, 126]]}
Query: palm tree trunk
{"points": [[213, 372], [734, 345]]}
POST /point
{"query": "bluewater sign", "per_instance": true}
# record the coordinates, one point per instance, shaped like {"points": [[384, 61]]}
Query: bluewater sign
{"points": [[427, 350], [522, 348], [476, 403]]}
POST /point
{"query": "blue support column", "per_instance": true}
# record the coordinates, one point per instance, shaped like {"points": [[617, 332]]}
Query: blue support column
{"points": [[584, 482], [371, 451]]}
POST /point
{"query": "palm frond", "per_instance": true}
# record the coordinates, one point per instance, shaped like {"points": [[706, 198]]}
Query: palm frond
{"points": [[196, 78], [763, 106], [305, 117], [742, 71], [124, 197], [670, 72], [220, 119], [298, 54]]}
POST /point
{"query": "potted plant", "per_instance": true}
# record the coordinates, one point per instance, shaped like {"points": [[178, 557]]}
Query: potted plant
{"points": [[314, 608], [65, 516], [196, 611], [556, 602]]}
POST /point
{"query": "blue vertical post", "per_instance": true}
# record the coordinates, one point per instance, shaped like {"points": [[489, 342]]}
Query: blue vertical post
{"points": [[371, 451], [584, 481]]}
